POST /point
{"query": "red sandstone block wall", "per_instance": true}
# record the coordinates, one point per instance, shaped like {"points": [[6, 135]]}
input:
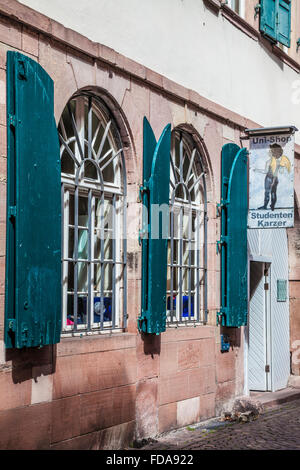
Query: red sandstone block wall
{"points": [[101, 392]]}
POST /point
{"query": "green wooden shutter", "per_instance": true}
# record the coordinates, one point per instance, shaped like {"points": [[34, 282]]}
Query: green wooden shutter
{"points": [[156, 178], [268, 18], [33, 249], [284, 22], [275, 20], [234, 262]]}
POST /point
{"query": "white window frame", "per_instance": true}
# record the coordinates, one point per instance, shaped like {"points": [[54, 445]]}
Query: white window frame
{"points": [[86, 146], [186, 174]]}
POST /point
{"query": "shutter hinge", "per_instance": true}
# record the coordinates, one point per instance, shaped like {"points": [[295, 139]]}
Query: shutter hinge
{"points": [[220, 207], [267, 368], [11, 324], [266, 286], [223, 241], [22, 69], [143, 189], [257, 10], [12, 120], [12, 212], [142, 234]]}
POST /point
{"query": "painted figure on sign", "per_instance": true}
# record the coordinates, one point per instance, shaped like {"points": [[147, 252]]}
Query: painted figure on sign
{"points": [[276, 164]]}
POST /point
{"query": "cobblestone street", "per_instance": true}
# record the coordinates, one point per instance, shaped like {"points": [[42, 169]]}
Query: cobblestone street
{"points": [[275, 429]]}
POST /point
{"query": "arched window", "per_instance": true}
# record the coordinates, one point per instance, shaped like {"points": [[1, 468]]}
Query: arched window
{"points": [[93, 210], [186, 278]]}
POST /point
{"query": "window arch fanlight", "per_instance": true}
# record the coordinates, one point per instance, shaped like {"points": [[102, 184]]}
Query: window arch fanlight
{"points": [[187, 251], [93, 180]]}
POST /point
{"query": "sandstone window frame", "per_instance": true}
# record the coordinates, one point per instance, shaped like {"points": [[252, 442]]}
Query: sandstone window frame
{"points": [[93, 238]]}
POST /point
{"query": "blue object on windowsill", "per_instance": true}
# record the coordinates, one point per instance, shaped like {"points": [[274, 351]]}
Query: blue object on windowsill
{"points": [[82, 304], [225, 344], [185, 305], [97, 309]]}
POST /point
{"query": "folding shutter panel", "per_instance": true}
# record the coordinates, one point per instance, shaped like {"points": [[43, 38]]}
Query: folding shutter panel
{"points": [[33, 257], [284, 22], [155, 197], [268, 18], [234, 236]]}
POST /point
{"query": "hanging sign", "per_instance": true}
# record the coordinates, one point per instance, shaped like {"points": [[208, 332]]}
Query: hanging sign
{"points": [[271, 181]]}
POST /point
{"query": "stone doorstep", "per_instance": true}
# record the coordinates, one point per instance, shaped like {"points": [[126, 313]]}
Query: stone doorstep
{"points": [[269, 399]]}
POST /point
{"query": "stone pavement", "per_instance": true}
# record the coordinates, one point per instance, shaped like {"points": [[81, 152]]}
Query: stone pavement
{"points": [[276, 428]]}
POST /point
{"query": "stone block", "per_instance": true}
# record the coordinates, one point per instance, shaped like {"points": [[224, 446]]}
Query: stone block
{"points": [[10, 33], [13, 395], [202, 381], [188, 411], [148, 356], [225, 365], [65, 419], [41, 388], [168, 359], [26, 428], [30, 41], [174, 387], [188, 354], [146, 408], [167, 416], [207, 406]]}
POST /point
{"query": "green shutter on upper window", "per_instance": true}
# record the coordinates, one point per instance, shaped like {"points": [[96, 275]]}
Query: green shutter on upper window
{"points": [[156, 180], [33, 247], [275, 20], [268, 18], [284, 22]]}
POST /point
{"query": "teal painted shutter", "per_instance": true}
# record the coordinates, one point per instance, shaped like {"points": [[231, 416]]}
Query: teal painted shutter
{"points": [[268, 18], [234, 263], [156, 179], [275, 20], [284, 22], [33, 250]]}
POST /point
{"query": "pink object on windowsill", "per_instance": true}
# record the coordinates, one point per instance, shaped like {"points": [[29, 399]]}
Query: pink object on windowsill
{"points": [[70, 322]]}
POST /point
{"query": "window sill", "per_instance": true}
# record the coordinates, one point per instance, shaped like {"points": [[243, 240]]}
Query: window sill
{"points": [[74, 345]]}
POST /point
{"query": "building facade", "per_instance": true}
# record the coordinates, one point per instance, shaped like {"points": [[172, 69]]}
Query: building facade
{"points": [[207, 69]]}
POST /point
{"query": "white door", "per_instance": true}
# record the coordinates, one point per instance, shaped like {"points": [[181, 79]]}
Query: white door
{"points": [[280, 331], [268, 354], [259, 328]]}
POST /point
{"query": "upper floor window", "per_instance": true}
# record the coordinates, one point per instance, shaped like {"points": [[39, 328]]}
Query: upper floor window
{"points": [[93, 213], [186, 273]]}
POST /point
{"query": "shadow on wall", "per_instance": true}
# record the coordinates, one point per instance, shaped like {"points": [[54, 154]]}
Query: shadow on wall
{"points": [[31, 363]]}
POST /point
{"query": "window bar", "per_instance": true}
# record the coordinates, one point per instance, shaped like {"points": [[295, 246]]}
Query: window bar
{"points": [[64, 196], [90, 128], [205, 261], [113, 306], [124, 231], [190, 262], [102, 263], [92, 268], [75, 306], [172, 263], [180, 264], [198, 262], [90, 306]]}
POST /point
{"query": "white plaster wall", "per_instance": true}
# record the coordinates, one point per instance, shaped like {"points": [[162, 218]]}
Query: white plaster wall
{"points": [[189, 44]]}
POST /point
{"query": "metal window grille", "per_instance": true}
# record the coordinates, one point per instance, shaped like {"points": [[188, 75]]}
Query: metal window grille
{"points": [[186, 278], [93, 218]]}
